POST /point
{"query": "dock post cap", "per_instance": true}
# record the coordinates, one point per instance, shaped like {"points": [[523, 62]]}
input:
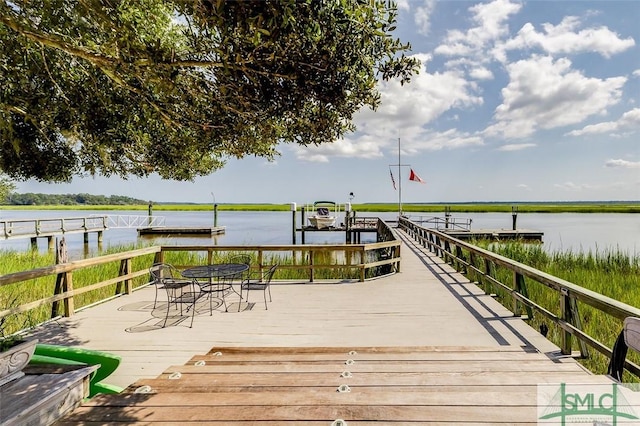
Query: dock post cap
{"points": [[293, 207]]}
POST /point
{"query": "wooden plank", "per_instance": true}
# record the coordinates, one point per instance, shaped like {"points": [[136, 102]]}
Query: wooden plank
{"points": [[487, 396], [387, 414], [380, 367], [218, 382], [250, 350], [213, 422], [375, 357], [43, 398]]}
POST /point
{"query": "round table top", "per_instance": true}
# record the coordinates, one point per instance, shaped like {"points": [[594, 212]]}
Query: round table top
{"points": [[215, 271]]}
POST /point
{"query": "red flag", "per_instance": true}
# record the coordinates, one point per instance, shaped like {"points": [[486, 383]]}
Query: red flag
{"points": [[392, 179], [413, 176]]}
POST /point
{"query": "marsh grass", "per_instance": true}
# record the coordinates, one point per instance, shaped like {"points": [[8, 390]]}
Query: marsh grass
{"points": [[612, 273], [14, 295]]}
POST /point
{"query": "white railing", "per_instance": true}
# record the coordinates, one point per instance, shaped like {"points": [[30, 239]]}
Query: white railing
{"points": [[132, 221], [447, 222], [34, 228]]}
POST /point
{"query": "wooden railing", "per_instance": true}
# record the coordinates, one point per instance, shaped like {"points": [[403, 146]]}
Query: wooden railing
{"points": [[131, 270], [31, 228], [465, 257], [304, 257]]}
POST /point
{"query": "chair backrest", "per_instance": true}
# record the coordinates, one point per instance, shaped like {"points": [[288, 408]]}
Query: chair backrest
{"points": [[160, 271], [629, 337], [245, 259], [241, 258], [269, 274]]}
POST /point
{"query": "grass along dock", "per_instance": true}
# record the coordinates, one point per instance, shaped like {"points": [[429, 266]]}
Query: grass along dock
{"points": [[424, 345]]}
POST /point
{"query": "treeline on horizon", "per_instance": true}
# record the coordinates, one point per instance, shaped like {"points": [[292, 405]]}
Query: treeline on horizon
{"points": [[36, 199], [83, 200]]}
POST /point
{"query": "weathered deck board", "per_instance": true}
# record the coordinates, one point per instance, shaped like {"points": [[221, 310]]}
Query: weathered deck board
{"points": [[397, 367], [406, 381], [418, 389]]}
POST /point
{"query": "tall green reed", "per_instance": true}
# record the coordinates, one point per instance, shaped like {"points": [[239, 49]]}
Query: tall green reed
{"points": [[613, 273]]}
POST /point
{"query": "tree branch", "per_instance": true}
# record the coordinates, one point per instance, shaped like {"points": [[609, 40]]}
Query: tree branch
{"points": [[57, 43]]}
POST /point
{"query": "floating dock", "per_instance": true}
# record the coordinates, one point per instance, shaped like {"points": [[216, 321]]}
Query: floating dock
{"points": [[177, 231], [495, 234]]}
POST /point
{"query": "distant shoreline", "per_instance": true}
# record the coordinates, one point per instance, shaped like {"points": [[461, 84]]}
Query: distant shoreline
{"points": [[479, 207]]}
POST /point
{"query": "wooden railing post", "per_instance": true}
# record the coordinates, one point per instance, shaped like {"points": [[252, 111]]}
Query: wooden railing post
{"points": [[461, 260], [125, 269], [67, 286], [158, 257], [311, 270], [521, 287], [577, 322], [472, 271], [570, 314], [487, 272], [565, 306], [447, 250], [363, 270]]}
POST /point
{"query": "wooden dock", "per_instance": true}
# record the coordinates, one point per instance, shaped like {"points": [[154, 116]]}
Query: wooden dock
{"points": [[495, 234], [182, 231], [424, 346]]}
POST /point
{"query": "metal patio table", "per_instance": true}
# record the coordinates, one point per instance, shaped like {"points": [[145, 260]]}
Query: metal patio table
{"points": [[217, 278]]}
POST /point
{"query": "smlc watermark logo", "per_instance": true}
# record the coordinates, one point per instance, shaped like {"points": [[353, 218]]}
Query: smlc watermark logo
{"points": [[597, 404]]}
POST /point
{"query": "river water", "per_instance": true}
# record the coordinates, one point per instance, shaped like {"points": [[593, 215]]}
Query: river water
{"points": [[562, 231]]}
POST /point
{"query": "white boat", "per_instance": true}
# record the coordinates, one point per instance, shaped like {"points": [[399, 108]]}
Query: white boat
{"points": [[323, 217]]}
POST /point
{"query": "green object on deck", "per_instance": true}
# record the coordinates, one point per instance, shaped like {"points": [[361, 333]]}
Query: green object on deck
{"points": [[70, 355]]}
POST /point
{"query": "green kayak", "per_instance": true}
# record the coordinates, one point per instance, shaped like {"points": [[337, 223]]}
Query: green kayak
{"points": [[73, 355]]}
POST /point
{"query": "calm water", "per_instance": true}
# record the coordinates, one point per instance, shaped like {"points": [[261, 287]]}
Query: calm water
{"points": [[562, 231]]}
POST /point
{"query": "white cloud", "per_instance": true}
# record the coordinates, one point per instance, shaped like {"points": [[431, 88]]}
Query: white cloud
{"points": [[623, 164], [490, 20], [545, 94], [366, 147], [567, 38], [403, 5], [636, 73], [630, 120], [517, 147], [406, 111], [481, 73], [524, 186], [436, 141], [572, 187], [422, 16]]}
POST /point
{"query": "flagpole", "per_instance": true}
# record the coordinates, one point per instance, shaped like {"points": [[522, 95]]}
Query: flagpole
{"points": [[399, 178], [399, 183]]}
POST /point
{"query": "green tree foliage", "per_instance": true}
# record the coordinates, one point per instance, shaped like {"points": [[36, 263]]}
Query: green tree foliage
{"points": [[6, 188], [133, 87], [34, 199]]}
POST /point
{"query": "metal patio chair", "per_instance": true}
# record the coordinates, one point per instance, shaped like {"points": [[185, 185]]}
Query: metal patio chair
{"points": [[182, 293], [258, 282], [244, 259], [220, 286], [629, 337]]}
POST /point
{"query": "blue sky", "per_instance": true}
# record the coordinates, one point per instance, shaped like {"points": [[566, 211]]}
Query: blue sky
{"points": [[515, 101]]}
